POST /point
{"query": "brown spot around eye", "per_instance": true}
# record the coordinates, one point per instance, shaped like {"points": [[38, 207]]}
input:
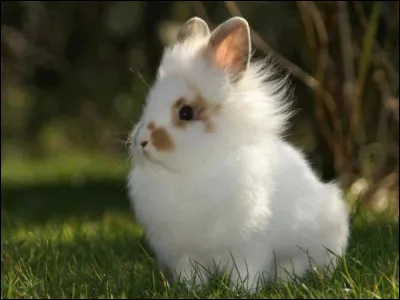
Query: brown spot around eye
{"points": [[161, 140], [175, 114], [151, 126], [180, 102], [203, 111]]}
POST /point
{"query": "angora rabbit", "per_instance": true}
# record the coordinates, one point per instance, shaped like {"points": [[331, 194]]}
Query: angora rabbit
{"points": [[214, 184]]}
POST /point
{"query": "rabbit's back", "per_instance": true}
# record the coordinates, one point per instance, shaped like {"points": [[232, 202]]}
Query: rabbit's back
{"points": [[307, 215]]}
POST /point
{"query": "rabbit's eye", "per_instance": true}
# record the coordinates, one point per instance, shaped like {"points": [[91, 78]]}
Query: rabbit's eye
{"points": [[186, 113]]}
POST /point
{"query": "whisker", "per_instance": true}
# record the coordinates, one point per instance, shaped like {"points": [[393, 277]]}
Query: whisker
{"points": [[140, 76]]}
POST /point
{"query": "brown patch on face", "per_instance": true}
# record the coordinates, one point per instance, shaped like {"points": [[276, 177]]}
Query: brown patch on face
{"points": [[203, 112], [161, 140], [151, 126]]}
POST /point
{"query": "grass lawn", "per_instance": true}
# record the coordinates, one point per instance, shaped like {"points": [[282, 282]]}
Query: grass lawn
{"points": [[77, 239]]}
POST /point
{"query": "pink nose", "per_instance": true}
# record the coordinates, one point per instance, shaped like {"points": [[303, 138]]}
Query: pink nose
{"points": [[144, 144]]}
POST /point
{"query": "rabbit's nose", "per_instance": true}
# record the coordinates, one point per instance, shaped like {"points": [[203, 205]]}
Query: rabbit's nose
{"points": [[144, 144]]}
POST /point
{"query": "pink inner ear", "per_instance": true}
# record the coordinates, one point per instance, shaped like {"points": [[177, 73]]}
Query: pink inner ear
{"points": [[228, 54]]}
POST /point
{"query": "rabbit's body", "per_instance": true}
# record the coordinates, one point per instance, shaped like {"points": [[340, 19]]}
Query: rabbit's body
{"points": [[228, 191], [258, 212]]}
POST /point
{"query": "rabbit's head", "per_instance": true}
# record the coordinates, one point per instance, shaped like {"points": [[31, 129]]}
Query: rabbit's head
{"points": [[207, 99]]}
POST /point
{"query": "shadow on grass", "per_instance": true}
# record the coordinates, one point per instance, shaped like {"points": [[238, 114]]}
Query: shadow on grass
{"points": [[373, 243], [41, 203]]}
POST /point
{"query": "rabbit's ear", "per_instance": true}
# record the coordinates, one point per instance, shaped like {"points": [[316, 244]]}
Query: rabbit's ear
{"points": [[193, 27], [230, 46]]}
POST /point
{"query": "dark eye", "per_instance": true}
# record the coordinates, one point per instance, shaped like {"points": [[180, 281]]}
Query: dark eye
{"points": [[186, 113]]}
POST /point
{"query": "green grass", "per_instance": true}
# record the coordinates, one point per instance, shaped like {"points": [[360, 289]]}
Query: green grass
{"points": [[64, 240]]}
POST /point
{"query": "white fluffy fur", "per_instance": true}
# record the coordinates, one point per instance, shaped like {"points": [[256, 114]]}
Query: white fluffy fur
{"points": [[241, 192]]}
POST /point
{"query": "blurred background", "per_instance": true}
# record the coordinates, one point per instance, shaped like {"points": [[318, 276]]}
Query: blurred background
{"points": [[74, 76]]}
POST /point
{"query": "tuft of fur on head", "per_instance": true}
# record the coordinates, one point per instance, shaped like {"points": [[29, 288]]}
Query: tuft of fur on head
{"points": [[259, 90], [247, 105]]}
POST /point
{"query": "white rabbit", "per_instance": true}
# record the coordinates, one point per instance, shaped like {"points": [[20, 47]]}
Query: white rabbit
{"points": [[213, 180]]}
